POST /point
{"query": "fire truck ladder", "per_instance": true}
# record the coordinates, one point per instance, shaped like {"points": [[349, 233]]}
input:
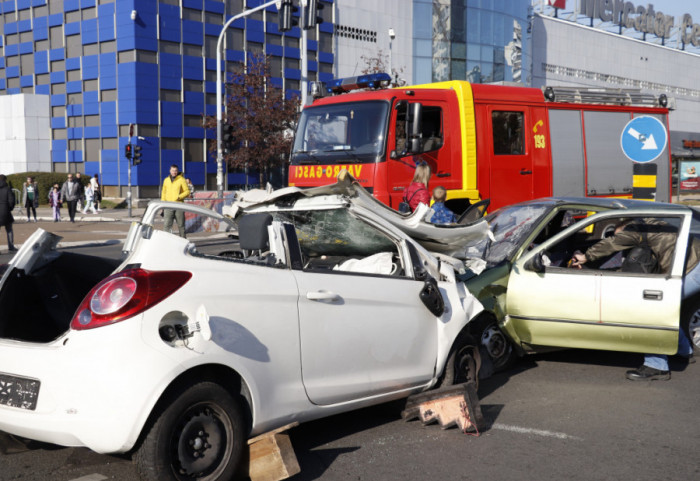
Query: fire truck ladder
{"points": [[608, 96]]}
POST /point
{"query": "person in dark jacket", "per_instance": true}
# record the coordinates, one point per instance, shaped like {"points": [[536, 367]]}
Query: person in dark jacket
{"points": [[661, 239], [417, 192], [30, 197], [7, 203], [70, 194]]}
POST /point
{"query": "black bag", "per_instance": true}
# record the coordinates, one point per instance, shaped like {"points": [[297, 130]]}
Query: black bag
{"points": [[641, 259], [405, 206]]}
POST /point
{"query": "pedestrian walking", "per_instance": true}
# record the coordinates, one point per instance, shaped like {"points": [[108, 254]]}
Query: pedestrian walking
{"points": [[30, 197], [7, 203], [89, 200], [81, 193], [55, 202], [174, 190], [70, 194], [96, 192]]}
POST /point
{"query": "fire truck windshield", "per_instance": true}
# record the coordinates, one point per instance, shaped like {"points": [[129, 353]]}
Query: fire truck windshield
{"points": [[341, 133]]}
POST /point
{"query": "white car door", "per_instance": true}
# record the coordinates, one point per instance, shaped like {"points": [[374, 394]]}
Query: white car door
{"points": [[595, 308], [363, 328], [363, 335]]}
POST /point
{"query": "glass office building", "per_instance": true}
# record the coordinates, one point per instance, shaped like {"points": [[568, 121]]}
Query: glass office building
{"points": [[482, 41], [106, 64]]}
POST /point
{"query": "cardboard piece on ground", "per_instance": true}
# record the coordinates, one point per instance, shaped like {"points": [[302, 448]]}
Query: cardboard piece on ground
{"points": [[272, 456]]}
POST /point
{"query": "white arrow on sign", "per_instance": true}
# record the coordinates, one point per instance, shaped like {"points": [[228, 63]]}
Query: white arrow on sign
{"points": [[649, 143]]}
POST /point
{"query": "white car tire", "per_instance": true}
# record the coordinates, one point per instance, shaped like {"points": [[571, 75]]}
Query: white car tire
{"points": [[199, 433]]}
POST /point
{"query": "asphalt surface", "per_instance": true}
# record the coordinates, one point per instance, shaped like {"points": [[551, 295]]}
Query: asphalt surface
{"points": [[566, 415]]}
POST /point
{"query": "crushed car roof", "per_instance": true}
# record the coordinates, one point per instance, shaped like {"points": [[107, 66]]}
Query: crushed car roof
{"points": [[445, 239]]}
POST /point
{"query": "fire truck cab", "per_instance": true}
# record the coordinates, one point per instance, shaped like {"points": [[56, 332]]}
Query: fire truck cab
{"points": [[504, 143]]}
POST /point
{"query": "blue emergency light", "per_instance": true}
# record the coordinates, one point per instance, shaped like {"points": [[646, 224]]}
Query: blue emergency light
{"points": [[369, 81]]}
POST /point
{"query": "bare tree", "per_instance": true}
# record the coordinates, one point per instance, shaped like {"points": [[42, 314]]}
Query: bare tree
{"points": [[380, 64], [263, 120]]}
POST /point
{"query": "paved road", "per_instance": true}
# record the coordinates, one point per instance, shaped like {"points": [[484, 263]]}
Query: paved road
{"points": [[567, 415]]}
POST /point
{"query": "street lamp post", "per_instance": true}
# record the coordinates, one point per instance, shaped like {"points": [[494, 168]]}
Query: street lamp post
{"points": [[219, 100]]}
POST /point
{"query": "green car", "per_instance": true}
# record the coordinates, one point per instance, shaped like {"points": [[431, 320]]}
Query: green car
{"points": [[535, 300]]}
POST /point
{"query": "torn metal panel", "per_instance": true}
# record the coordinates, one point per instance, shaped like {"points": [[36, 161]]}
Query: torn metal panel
{"points": [[446, 239]]}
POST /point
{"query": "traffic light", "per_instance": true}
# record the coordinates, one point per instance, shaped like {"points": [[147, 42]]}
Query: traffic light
{"points": [[286, 16], [311, 14], [137, 154], [228, 141], [127, 151]]}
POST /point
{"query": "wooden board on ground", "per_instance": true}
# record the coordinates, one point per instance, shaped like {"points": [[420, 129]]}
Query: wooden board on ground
{"points": [[271, 456], [450, 406]]}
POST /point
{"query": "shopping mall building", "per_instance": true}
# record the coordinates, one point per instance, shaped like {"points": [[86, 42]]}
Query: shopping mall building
{"points": [[90, 68]]}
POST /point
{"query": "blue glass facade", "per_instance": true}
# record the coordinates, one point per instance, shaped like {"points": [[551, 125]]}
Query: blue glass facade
{"points": [[477, 40], [104, 70]]}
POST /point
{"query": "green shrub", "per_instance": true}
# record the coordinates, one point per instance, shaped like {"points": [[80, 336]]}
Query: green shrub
{"points": [[45, 181]]}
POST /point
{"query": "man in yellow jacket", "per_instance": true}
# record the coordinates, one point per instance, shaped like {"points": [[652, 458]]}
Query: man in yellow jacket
{"points": [[174, 190]]}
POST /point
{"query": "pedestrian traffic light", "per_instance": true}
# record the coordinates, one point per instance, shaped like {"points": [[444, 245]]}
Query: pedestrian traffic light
{"points": [[127, 151], [311, 14], [286, 16], [228, 140], [137, 154]]}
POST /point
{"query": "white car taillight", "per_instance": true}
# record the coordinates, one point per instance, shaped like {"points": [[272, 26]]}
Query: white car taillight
{"points": [[126, 294]]}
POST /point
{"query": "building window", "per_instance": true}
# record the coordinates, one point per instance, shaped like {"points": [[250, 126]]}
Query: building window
{"points": [[110, 144], [73, 75], [92, 150], [126, 56], [91, 49], [58, 111], [56, 36], [109, 95], [108, 47], [169, 47], [146, 57], [89, 13], [191, 50], [194, 151], [192, 14], [234, 39], [41, 45], [57, 89], [170, 95], [90, 85], [192, 121], [73, 16]]}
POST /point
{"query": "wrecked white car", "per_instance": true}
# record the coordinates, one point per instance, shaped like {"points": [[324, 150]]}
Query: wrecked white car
{"points": [[307, 306]]}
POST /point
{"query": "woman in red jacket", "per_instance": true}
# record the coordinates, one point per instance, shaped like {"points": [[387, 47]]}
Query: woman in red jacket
{"points": [[417, 192]]}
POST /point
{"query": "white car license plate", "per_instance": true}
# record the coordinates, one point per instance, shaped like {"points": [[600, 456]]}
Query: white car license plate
{"points": [[19, 392]]}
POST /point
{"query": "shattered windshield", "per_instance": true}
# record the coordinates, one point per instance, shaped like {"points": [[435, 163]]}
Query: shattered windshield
{"points": [[509, 226], [335, 232], [354, 129]]}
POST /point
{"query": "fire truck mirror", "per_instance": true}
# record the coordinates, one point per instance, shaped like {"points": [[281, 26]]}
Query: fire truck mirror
{"points": [[415, 128]]}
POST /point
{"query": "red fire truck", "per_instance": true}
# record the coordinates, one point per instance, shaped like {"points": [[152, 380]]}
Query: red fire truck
{"points": [[506, 143]]}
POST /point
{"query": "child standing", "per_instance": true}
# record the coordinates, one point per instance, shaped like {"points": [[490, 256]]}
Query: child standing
{"points": [[89, 200], [55, 202], [441, 214]]}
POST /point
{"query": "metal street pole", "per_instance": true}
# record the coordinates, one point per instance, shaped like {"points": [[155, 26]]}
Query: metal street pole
{"points": [[219, 100], [128, 166], [304, 54]]}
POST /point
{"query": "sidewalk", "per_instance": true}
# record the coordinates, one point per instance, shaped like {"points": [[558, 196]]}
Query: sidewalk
{"points": [[107, 227]]}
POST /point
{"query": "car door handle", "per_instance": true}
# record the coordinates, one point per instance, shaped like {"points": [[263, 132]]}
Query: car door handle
{"points": [[653, 295], [525, 172], [443, 174], [322, 296]]}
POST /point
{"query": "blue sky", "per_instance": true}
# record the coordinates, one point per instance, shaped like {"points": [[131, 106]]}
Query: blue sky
{"points": [[674, 7]]}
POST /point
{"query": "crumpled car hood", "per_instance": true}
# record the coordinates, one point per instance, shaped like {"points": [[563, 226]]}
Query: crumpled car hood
{"points": [[445, 239]]}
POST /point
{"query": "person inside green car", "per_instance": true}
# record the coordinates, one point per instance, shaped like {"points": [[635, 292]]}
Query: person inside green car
{"points": [[660, 237]]}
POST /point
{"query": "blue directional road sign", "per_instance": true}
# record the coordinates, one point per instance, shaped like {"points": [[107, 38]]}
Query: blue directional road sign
{"points": [[643, 139]]}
